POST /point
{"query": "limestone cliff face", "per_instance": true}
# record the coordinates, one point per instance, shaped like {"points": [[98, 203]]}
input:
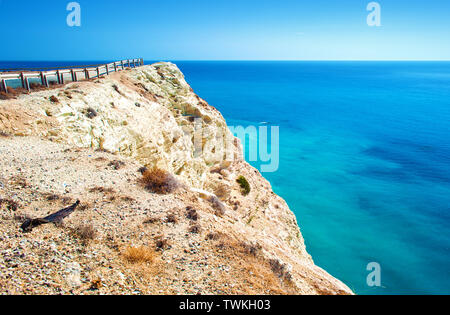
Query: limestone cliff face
{"points": [[151, 117]]}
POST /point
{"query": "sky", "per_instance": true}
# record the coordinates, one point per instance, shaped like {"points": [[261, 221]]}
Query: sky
{"points": [[225, 30]]}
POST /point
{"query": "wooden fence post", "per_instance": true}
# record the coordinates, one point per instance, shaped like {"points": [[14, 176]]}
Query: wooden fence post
{"points": [[107, 69], [46, 81], [42, 78], [27, 83], [5, 87], [98, 72], [86, 74], [73, 75], [22, 79]]}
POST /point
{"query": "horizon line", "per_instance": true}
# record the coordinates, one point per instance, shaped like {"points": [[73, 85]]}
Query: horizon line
{"points": [[243, 60]]}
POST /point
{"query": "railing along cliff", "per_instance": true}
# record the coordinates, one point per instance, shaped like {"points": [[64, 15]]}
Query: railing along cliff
{"points": [[42, 75]]}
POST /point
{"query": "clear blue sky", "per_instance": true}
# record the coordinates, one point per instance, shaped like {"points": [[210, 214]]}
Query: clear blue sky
{"points": [[225, 30]]}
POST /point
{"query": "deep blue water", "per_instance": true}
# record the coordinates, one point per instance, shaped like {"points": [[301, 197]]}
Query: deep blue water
{"points": [[364, 159]]}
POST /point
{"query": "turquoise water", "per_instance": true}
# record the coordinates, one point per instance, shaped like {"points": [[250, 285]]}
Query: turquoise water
{"points": [[364, 160]]}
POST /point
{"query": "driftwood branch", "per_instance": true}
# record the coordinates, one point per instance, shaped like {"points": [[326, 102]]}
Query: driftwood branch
{"points": [[57, 217]]}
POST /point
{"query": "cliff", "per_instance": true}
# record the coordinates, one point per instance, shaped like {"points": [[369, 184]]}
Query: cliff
{"points": [[87, 141]]}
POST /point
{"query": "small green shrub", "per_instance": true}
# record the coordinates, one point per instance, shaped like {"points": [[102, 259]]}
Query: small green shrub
{"points": [[245, 186]]}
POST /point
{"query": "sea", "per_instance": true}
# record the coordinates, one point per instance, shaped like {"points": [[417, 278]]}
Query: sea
{"points": [[364, 159]]}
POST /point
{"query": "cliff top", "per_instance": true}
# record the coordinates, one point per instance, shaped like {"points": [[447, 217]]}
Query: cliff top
{"points": [[199, 233]]}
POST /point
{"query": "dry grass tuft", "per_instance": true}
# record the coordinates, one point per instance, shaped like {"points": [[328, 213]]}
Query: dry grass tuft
{"points": [[162, 244], [195, 229], [280, 270], [192, 214], [51, 197], [137, 255], [102, 190], [66, 200], [251, 249], [90, 113], [96, 285], [85, 232], [11, 205], [19, 182], [116, 165], [215, 236], [172, 218], [12, 93], [127, 199], [152, 220], [54, 99], [223, 192], [142, 170], [4, 134], [4, 96], [252, 272], [159, 181]]}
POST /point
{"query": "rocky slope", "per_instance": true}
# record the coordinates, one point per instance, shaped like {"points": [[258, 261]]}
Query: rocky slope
{"points": [[86, 141]]}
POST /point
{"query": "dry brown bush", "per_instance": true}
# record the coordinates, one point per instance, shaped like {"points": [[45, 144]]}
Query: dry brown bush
{"points": [[137, 255], [223, 192], [162, 243], [4, 134], [11, 205], [152, 220], [102, 190], [54, 99], [116, 164], [51, 197], [215, 236], [252, 272], [12, 93], [19, 182], [85, 232], [90, 113], [195, 229], [159, 181], [280, 269], [192, 214], [251, 249], [172, 218]]}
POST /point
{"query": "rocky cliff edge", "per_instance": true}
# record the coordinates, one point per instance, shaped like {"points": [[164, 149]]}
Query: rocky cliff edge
{"points": [[87, 140]]}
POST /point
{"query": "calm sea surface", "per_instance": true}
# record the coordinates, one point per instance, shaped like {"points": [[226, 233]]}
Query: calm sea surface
{"points": [[365, 160]]}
